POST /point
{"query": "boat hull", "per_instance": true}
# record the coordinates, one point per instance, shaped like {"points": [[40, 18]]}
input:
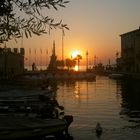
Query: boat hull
{"points": [[12, 127]]}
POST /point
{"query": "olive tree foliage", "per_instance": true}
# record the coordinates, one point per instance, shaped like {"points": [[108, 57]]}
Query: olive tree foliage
{"points": [[20, 18]]}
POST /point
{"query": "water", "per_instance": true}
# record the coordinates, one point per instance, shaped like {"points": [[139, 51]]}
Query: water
{"points": [[115, 104]]}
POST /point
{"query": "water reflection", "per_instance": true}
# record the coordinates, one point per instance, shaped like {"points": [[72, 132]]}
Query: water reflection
{"points": [[38, 102], [130, 94], [113, 103]]}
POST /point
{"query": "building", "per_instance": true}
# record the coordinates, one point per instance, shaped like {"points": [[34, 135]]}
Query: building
{"points": [[11, 62], [130, 52]]}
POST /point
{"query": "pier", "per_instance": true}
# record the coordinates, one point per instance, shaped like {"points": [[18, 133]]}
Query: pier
{"points": [[58, 75]]}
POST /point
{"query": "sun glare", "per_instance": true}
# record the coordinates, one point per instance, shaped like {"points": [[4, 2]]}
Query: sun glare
{"points": [[76, 68], [75, 53]]}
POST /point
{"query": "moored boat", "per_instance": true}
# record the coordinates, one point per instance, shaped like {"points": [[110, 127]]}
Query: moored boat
{"points": [[21, 127], [32, 116], [116, 76]]}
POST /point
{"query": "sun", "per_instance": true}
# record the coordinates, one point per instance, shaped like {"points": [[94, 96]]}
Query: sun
{"points": [[76, 68], [75, 53]]}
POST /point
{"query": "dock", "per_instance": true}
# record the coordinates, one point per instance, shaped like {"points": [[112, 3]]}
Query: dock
{"points": [[58, 75]]}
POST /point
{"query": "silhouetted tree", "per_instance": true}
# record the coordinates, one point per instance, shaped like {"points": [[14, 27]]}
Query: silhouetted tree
{"points": [[70, 63], [78, 58], [60, 63], [27, 17]]}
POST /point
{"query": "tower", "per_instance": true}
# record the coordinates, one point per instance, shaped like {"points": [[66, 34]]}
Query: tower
{"points": [[87, 60], [52, 65]]}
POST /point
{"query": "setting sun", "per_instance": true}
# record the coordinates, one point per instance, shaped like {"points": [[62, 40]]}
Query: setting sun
{"points": [[76, 68], [75, 53]]}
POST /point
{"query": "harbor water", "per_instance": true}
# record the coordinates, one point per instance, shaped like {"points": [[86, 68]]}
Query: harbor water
{"points": [[113, 103]]}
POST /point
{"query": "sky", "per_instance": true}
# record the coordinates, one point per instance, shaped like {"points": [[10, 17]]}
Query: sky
{"points": [[95, 26]]}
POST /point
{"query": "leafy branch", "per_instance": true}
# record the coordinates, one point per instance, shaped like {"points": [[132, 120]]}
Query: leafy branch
{"points": [[25, 17]]}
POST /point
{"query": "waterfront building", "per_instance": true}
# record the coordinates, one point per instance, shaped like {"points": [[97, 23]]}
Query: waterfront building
{"points": [[11, 62], [130, 52]]}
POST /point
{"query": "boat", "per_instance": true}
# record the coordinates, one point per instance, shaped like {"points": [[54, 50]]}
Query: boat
{"points": [[73, 75], [34, 115], [23, 127], [23, 101], [42, 105], [116, 76]]}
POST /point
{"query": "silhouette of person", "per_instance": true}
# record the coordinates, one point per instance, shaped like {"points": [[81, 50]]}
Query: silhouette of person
{"points": [[33, 67]]}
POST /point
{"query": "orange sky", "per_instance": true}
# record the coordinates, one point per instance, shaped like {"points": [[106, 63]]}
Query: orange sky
{"points": [[95, 26]]}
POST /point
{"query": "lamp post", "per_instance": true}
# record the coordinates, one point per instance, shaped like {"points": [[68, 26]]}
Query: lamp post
{"points": [[87, 60], [62, 44], [63, 34]]}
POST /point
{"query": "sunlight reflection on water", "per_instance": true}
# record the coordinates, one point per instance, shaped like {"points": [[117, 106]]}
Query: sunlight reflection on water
{"points": [[98, 101], [113, 103]]}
